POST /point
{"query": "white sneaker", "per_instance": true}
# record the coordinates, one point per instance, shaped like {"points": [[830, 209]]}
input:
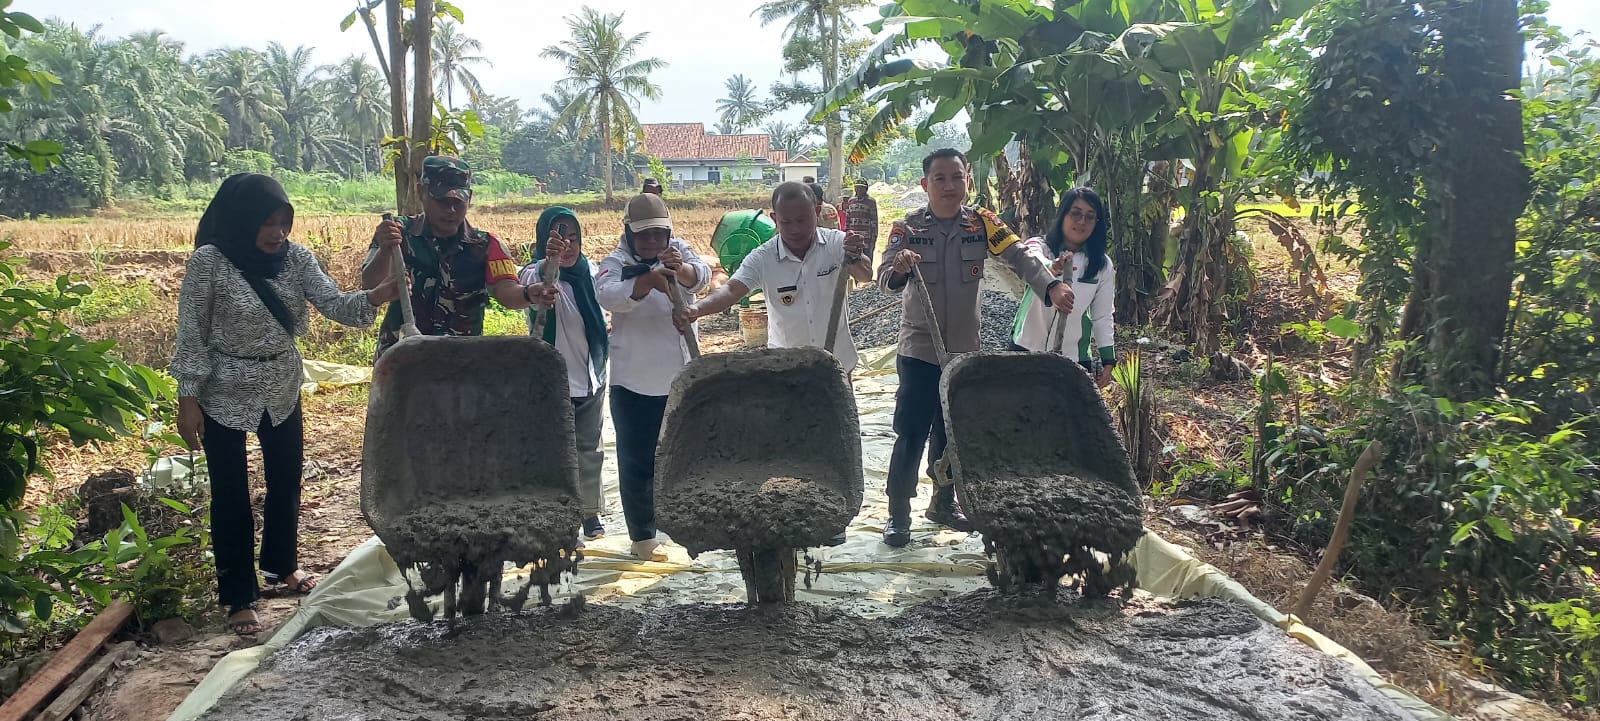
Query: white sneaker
{"points": [[649, 550]]}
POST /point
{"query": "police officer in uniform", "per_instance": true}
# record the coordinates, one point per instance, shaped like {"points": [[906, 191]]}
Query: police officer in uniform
{"points": [[946, 242]]}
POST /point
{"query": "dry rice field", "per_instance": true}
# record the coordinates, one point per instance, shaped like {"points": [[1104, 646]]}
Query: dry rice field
{"points": [[105, 236], [135, 268]]}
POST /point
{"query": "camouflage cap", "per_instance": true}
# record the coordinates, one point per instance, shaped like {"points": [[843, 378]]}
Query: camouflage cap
{"points": [[446, 176]]}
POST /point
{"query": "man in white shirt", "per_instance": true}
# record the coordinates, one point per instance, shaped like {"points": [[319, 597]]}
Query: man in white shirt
{"points": [[799, 270]]}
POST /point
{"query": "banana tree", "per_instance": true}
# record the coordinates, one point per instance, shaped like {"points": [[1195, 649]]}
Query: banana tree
{"points": [[1040, 77], [1198, 65]]}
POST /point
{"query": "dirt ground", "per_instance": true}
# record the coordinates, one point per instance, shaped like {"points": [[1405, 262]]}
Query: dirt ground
{"points": [[980, 655]]}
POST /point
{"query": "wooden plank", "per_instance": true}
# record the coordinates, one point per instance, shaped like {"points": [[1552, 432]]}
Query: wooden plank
{"points": [[66, 663], [79, 691]]}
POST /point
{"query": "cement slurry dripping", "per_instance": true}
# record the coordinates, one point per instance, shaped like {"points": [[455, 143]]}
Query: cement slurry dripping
{"points": [[459, 548], [983, 655], [760, 453], [1040, 470], [468, 463]]}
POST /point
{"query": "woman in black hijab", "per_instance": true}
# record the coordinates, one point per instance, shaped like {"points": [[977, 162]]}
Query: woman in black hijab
{"points": [[243, 302]]}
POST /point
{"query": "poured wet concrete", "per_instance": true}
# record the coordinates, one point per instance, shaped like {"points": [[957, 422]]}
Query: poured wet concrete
{"points": [[468, 463], [760, 453], [982, 655], [1040, 469]]}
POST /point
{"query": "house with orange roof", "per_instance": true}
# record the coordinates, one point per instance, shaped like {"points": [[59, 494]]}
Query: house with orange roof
{"points": [[695, 157]]}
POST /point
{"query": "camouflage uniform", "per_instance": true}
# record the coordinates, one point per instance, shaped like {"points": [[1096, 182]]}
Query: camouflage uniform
{"points": [[451, 278]]}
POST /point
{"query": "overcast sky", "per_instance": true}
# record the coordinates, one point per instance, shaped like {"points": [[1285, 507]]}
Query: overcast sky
{"points": [[703, 41]]}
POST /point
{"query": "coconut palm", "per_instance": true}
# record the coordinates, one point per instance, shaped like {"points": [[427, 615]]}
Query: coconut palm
{"points": [[360, 97], [454, 55], [740, 109], [786, 136], [605, 81], [293, 77], [816, 31], [244, 95]]}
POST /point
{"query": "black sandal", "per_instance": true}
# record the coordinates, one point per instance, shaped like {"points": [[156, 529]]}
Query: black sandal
{"points": [[307, 583], [244, 627]]}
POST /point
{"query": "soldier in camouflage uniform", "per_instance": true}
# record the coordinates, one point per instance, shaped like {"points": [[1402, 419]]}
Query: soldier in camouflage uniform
{"points": [[453, 267], [946, 242]]}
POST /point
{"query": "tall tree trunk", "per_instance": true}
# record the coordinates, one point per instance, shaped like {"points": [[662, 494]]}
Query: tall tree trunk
{"points": [[1469, 266], [422, 86], [605, 145], [405, 182], [830, 80]]}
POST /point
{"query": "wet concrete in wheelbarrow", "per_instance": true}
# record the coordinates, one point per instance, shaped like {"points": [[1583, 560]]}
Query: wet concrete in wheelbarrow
{"points": [[982, 655], [760, 453], [1040, 470], [455, 478]]}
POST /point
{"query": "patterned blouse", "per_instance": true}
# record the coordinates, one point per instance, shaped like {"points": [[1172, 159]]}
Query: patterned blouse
{"points": [[232, 354]]}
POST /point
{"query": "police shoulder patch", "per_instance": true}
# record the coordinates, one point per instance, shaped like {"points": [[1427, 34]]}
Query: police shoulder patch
{"points": [[999, 236], [897, 234]]}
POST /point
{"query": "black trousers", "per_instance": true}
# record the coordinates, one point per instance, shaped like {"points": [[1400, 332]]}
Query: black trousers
{"points": [[918, 422], [637, 419], [233, 529]]}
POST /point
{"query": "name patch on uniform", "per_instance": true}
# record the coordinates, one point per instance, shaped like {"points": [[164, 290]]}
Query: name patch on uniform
{"points": [[921, 241], [786, 295]]}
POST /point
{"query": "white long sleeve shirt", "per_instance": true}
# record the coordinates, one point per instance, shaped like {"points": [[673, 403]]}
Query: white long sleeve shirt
{"points": [[646, 350], [799, 293], [1090, 328], [571, 340]]}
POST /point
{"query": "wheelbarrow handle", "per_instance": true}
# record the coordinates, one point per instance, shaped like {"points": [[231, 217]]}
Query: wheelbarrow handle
{"points": [[408, 326], [675, 292], [836, 314], [933, 320], [548, 273], [1058, 327]]}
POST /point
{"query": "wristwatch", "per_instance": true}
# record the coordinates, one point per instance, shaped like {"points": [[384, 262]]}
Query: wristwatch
{"points": [[525, 295], [1047, 290]]}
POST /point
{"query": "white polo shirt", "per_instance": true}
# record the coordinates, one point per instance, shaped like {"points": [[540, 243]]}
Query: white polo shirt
{"points": [[799, 293]]}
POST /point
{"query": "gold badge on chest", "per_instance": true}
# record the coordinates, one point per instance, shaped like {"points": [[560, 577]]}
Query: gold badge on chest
{"points": [[787, 295]]}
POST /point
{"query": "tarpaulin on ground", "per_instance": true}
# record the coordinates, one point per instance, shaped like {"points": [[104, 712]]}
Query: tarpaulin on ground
{"points": [[863, 576]]}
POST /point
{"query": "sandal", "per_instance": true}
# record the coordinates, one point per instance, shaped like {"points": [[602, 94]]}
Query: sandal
{"points": [[244, 626], [307, 582]]}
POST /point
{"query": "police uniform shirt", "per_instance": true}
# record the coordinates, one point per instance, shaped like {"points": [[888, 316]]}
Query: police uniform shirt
{"points": [[799, 292], [953, 253]]}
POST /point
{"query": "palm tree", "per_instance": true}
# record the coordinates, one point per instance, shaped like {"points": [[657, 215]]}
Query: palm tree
{"points": [[361, 96], [605, 80], [243, 95], [816, 28], [740, 109], [148, 82], [291, 74], [499, 111], [793, 138], [453, 56]]}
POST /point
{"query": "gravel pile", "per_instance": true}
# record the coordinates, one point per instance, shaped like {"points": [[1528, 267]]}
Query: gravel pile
{"points": [[999, 310]]}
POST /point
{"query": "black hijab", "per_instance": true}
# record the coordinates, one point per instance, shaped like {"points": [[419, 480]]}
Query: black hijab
{"points": [[231, 222]]}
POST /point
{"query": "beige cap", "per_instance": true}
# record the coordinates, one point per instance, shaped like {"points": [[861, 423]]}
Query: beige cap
{"points": [[645, 211]]}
